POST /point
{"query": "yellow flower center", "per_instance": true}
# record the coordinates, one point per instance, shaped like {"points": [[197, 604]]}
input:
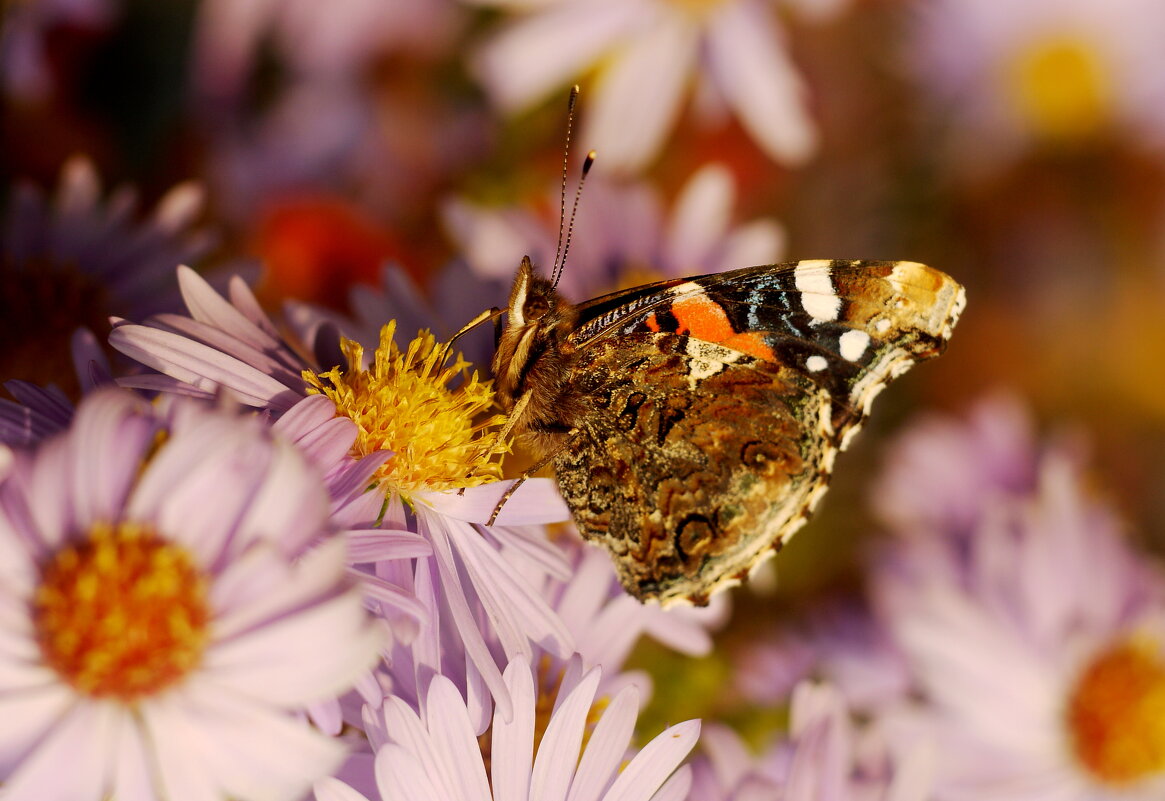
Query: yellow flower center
{"points": [[1060, 87], [1116, 714], [122, 615], [404, 404]]}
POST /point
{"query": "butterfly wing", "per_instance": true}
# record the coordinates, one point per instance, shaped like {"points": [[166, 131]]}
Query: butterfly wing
{"points": [[715, 407]]}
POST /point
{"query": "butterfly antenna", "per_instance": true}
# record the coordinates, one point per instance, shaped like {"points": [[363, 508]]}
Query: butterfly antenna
{"points": [[586, 168], [570, 104]]}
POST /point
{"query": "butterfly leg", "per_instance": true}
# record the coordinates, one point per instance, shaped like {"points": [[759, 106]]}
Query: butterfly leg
{"points": [[531, 470]]}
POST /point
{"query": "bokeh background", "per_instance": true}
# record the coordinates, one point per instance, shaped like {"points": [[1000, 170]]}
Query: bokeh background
{"points": [[1018, 146]]}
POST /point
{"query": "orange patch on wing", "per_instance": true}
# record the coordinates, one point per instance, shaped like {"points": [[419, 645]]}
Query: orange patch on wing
{"points": [[706, 320], [652, 323]]}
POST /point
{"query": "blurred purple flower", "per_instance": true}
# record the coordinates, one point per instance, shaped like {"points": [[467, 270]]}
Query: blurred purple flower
{"points": [[72, 261], [623, 235], [1007, 76], [25, 68], [649, 53], [159, 636], [826, 758], [1035, 642], [436, 753]]}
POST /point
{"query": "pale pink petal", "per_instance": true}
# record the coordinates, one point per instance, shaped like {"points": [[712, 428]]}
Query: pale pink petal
{"points": [[289, 507], [606, 747], [679, 785], [133, 772], [558, 752], [747, 56], [651, 766], [639, 95], [225, 746], [401, 776], [536, 55], [537, 500], [408, 732], [757, 242], [454, 740], [700, 218], [81, 741], [203, 367], [375, 544], [28, 712], [330, 789], [512, 741], [207, 306]]}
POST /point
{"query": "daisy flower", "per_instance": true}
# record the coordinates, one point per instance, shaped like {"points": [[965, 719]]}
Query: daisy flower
{"points": [[1037, 649], [1010, 76], [160, 643], [648, 53], [565, 746], [445, 462], [70, 262], [623, 235], [826, 756]]}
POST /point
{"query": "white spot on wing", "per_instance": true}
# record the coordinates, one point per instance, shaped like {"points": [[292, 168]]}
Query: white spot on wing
{"points": [[853, 344], [815, 363], [818, 297], [882, 326]]}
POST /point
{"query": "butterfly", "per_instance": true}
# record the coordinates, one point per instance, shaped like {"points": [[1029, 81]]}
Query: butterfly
{"points": [[693, 423]]}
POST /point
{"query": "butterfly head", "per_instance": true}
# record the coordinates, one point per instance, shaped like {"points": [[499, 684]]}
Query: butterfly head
{"points": [[533, 352]]}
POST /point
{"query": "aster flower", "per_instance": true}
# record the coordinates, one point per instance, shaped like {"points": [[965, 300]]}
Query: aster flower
{"points": [[435, 753], [72, 261], [1036, 649], [1044, 73], [649, 51], [445, 461], [623, 235], [158, 643], [826, 756]]}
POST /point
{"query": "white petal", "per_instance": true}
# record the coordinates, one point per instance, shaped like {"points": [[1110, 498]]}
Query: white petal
{"points": [[400, 776], [28, 712], [330, 789], [752, 69], [638, 97], [407, 731]]}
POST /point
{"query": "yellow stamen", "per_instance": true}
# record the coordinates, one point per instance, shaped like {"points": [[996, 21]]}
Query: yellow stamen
{"points": [[123, 614], [404, 404], [1116, 714], [1060, 87]]}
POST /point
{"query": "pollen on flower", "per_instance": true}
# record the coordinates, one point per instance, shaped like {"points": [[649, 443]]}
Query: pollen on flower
{"points": [[403, 403], [1059, 87], [1116, 714], [122, 614]]}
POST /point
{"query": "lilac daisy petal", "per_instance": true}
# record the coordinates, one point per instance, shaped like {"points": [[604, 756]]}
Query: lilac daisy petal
{"points": [[560, 744], [71, 742], [756, 242], [536, 500], [416, 761], [203, 367], [456, 743], [606, 747], [639, 96], [330, 789], [679, 785], [513, 738], [756, 76], [376, 544], [701, 216], [525, 62], [650, 767]]}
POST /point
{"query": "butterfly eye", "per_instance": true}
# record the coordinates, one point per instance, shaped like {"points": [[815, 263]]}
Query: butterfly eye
{"points": [[535, 307]]}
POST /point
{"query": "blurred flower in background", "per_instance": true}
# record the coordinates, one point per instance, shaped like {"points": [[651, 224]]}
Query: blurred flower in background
{"points": [[297, 462]]}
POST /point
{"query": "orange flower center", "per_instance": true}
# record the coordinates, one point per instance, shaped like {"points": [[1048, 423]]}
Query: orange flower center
{"points": [[122, 615], [1116, 714]]}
